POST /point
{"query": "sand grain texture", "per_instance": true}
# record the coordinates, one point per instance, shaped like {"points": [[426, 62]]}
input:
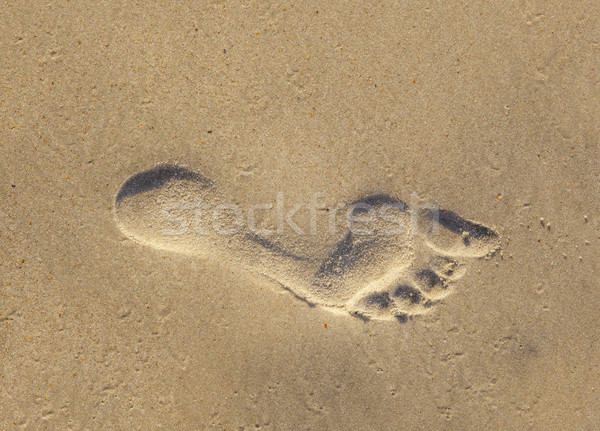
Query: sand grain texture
{"points": [[489, 111]]}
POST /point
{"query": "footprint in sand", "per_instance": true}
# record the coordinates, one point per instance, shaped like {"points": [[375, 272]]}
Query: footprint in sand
{"points": [[400, 263]]}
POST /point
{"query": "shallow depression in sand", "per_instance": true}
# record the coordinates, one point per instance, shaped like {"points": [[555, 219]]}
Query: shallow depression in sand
{"points": [[376, 272]]}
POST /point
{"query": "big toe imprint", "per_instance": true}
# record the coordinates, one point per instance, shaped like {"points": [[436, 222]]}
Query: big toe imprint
{"points": [[394, 263]]}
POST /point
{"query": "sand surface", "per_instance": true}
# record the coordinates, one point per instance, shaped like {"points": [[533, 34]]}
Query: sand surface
{"points": [[114, 316]]}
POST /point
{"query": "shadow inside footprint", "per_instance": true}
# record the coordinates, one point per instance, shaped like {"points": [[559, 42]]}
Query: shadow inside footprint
{"points": [[447, 232], [156, 178], [380, 300], [353, 247], [274, 247], [364, 204], [430, 279], [404, 291], [402, 317], [455, 223], [345, 254]]}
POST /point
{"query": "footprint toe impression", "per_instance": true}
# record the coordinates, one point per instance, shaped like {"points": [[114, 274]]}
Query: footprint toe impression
{"points": [[449, 234], [381, 268]]}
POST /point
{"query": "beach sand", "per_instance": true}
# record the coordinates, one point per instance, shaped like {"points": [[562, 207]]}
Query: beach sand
{"points": [[488, 112]]}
